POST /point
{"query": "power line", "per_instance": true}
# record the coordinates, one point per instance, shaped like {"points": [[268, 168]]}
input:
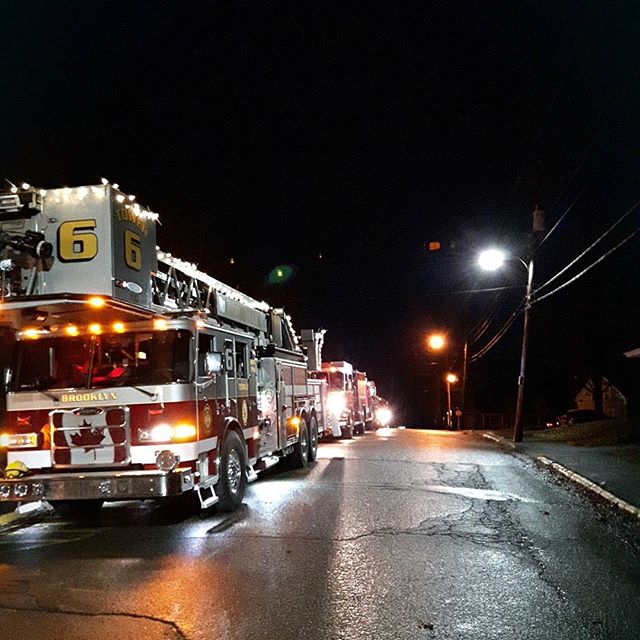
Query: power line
{"points": [[560, 219], [480, 328], [462, 291], [602, 237], [579, 275], [498, 336]]}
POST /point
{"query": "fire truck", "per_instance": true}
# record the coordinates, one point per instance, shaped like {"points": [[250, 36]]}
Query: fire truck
{"points": [[348, 401], [134, 375]]}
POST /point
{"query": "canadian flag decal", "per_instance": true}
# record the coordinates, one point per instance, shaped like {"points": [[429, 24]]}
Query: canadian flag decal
{"points": [[87, 437]]}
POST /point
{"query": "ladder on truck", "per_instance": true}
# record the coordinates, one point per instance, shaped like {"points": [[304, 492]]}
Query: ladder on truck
{"points": [[179, 287]]}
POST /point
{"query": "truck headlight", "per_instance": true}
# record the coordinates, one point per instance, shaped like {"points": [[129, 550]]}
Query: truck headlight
{"points": [[336, 403], [383, 416], [19, 440]]}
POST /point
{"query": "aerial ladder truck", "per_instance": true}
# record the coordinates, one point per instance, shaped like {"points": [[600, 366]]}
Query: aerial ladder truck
{"points": [[133, 374]]}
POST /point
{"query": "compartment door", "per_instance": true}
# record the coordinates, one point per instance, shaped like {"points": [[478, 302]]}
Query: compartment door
{"points": [[267, 405]]}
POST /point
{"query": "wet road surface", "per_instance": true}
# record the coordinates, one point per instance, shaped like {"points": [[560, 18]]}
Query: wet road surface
{"points": [[399, 534]]}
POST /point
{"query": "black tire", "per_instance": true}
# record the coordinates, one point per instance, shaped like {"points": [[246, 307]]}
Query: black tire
{"points": [[300, 456], [313, 438], [77, 509], [232, 483]]}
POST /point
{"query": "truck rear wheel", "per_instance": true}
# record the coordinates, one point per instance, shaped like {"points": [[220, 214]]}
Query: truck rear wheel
{"points": [[313, 438], [300, 456], [77, 509], [232, 483]]}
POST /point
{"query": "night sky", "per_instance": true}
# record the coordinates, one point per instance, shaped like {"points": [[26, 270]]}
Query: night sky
{"points": [[337, 140]]}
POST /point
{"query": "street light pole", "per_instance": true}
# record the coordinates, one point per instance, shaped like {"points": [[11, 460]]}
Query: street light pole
{"points": [[517, 424], [463, 386], [450, 379]]}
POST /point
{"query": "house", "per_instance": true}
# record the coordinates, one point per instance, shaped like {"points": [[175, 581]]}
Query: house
{"points": [[614, 403]]}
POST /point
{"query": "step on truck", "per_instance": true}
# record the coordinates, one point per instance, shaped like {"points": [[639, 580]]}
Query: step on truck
{"points": [[133, 374]]}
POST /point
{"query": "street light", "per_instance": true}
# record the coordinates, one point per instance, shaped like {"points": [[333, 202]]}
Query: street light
{"points": [[451, 378], [436, 342], [491, 260]]}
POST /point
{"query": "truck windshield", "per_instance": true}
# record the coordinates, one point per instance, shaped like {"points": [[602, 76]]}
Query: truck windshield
{"points": [[108, 360], [336, 381]]}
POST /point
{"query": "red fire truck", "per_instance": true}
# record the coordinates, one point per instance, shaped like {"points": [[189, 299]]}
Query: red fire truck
{"points": [[134, 375], [348, 402]]}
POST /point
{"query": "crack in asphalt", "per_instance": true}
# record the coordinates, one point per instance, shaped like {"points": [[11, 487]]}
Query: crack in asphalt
{"points": [[91, 614]]}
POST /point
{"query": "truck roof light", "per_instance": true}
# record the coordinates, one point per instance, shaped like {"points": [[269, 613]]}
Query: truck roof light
{"points": [[96, 302]]}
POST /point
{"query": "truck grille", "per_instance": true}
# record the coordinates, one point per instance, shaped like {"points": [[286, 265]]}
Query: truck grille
{"points": [[90, 437]]}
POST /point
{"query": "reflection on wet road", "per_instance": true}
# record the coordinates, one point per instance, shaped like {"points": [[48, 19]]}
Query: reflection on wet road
{"points": [[398, 534]]}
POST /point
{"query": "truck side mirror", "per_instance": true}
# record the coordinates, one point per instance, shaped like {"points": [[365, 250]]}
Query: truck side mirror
{"points": [[213, 363]]}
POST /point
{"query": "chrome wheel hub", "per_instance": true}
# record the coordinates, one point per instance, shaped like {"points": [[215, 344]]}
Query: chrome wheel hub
{"points": [[304, 444], [234, 471]]}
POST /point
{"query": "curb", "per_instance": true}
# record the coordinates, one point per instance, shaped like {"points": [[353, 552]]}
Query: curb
{"points": [[503, 442], [567, 473], [587, 484]]}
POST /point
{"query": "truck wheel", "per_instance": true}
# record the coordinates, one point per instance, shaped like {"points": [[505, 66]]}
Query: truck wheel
{"points": [[313, 438], [232, 483], [77, 509], [300, 456]]}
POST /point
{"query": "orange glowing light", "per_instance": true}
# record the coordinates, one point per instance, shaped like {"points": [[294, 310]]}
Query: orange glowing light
{"points": [[436, 342], [118, 327], [71, 330], [184, 432], [96, 302], [451, 378], [95, 329], [160, 324], [30, 333]]}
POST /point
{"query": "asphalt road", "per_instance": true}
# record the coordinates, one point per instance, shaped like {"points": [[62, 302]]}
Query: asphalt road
{"points": [[401, 534]]}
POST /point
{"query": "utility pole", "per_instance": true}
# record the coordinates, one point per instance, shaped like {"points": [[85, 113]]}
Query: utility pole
{"points": [[517, 424], [537, 231], [463, 386]]}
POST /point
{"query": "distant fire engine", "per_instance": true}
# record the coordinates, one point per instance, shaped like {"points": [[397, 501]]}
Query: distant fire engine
{"points": [[134, 375], [349, 408]]}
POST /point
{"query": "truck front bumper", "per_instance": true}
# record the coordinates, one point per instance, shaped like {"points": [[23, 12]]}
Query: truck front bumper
{"points": [[104, 485]]}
